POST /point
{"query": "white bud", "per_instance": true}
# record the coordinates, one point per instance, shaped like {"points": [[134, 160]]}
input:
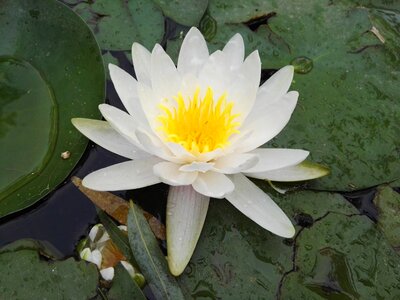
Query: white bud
{"points": [[107, 273]]}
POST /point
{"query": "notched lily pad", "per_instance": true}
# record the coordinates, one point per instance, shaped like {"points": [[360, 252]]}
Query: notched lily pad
{"points": [[50, 71]]}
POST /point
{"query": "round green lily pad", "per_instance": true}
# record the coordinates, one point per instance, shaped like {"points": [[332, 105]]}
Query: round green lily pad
{"points": [[50, 71]]}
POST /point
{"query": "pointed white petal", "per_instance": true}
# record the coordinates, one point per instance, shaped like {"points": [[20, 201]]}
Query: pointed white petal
{"points": [[215, 74], [165, 79], [235, 163], [123, 176], [276, 86], [193, 53], [149, 103], [107, 273], [95, 257], [156, 147], [186, 212], [126, 87], [234, 52], [243, 89], [259, 207], [141, 62], [179, 151], [122, 122], [170, 174], [105, 136], [128, 267], [268, 123], [303, 171], [213, 184], [275, 158], [197, 167]]}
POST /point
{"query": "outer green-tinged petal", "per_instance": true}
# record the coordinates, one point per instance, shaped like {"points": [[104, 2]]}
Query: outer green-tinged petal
{"points": [[193, 53], [186, 212], [170, 174], [105, 136], [275, 158], [268, 124], [213, 184], [303, 171], [123, 176], [259, 207]]}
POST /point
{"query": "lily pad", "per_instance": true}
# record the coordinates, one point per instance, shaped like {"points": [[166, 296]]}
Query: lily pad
{"points": [[217, 269], [343, 257], [388, 204], [346, 57], [117, 24], [185, 12], [66, 279], [50, 71]]}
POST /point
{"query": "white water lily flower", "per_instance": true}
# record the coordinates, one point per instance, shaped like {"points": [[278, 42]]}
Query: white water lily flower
{"points": [[198, 127]]}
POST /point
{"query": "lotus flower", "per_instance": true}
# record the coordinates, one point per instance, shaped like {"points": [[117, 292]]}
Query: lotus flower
{"points": [[198, 127]]}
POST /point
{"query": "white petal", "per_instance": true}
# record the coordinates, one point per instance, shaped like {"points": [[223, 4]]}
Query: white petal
{"points": [[105, 136], [243, 89], [276, 86], [141, 61], [179, 151], [171, 174], [235, 163], [128, 267], [268, 123], [186, 212], [149, 103], [126, 87], [213, 184], [275, 158], [193, 53], [300, 172], [234, 51], [95, 257], [197, 167], [215, 74], [154, 146], [122, 122], [123, 176], [107, 273], [259, 207], [165, 79]]}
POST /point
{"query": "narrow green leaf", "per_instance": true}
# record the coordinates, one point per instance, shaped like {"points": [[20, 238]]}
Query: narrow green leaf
{"points": [[150, 259], [124, 287], [117, 236]]}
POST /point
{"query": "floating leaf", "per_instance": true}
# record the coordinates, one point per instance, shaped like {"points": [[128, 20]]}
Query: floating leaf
{"points": [[66, 279], [117, 24], [185, 12], [151, 260], [50, 71]]}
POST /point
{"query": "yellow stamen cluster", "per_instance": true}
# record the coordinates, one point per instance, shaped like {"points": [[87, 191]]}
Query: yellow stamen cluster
{"points": [[201, 125]]}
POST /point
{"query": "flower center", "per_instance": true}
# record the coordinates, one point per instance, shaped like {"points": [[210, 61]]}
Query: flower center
{"points": [[200, 125]]}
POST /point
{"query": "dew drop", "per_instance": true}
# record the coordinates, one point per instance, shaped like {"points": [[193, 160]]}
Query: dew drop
{"points": [[302, 64]]}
